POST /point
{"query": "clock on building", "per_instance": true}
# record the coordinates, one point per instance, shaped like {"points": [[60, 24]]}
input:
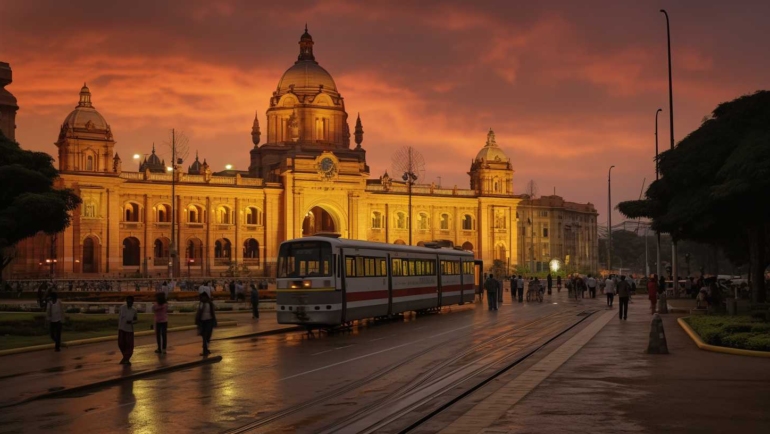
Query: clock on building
{"points": [[327, 168]]}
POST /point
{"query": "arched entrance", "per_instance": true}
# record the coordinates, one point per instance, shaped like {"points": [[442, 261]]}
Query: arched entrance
{"points": [[251, 252], [194, 254], [90, 258], [161, 251], [131, 252], [318, 220], [222, 250]]}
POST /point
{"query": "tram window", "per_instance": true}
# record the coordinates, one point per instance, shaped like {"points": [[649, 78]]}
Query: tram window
{"points": [[395, 266], [369, 267], [411, 268], [350, 266], [383, 266], [360, 266]]}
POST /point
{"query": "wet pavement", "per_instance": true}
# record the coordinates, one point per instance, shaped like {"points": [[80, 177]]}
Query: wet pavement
{"points": [[295, 382], [612, 386]]}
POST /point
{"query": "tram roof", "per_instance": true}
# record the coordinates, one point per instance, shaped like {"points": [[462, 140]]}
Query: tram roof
{"points": [[344, 242]]}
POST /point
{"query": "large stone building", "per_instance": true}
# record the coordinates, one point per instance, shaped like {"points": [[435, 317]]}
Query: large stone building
{"points": [[8, 106], [306, 178]]}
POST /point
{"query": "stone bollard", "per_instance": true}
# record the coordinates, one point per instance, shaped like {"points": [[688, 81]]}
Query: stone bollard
{"points": [[657, 344], [662, 303]]}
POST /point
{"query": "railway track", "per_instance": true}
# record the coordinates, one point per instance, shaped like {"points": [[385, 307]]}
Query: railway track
{"points": [[494, 354]]}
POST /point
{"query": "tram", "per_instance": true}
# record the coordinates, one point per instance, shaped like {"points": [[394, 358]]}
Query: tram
{"points": [[326, 281]]}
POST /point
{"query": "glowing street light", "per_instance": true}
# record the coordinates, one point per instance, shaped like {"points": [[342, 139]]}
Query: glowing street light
{"points": [[137, 156], [555, 265], [229, 166], [170, 169]]}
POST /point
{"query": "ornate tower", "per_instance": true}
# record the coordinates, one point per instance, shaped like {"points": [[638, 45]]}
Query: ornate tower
{"points": [[8, 106], [85, 139], [359, 132], [491, 172]]}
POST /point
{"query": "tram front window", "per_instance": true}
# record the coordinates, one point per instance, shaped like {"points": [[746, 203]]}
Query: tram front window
{"points": [[305, 259]]}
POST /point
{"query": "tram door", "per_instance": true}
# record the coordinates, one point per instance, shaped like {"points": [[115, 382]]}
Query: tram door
{"points": [[478, 271]]}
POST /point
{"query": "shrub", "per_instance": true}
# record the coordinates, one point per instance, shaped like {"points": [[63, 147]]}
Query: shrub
{"points": [[758, 343]]}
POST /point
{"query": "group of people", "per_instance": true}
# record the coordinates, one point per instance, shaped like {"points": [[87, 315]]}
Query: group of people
{"points": [[205, 317]]}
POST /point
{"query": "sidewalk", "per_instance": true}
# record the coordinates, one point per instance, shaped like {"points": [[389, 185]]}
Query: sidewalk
{"points": [[28, 375], [610, 385]]}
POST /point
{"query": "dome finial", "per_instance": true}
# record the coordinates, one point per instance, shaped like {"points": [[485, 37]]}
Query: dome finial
{"points": [[85, 96], [491, 138], [306, 47], [153, 147], [255, 132]]}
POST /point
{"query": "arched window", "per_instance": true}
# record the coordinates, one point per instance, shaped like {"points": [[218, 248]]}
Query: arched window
{"points": [[224, 215], [251, 250], [468, 223], [376, 220], [253, 216], [468, 246], [500, 252], [195, 214], [497, 185], [399, 242], [444, 222], [222, 248], [131, 212], [401, 220], [131, 252], [423, 221], [90, 163], [163, 213]]}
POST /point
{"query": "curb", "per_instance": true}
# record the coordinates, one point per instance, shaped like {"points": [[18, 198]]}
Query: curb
{"points": [[717, 349], [263, 333], [116, 380], [67, 344]]}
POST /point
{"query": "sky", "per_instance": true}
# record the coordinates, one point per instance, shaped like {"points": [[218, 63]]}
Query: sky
{"points": [[570, 88]]}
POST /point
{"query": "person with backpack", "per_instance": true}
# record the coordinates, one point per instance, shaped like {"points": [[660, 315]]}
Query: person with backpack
{"points": [[160, 309], [206, 320]]}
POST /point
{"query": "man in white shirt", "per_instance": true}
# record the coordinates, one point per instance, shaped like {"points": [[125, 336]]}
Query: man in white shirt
{"points": [[54, 314], [591, 283], [609, 289], [126, 321]]}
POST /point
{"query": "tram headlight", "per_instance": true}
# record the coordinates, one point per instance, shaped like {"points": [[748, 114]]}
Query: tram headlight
{"points": [[306, 284]]}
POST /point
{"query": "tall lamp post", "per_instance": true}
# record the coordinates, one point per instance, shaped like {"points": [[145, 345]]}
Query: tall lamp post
{"points": [[657, 177], [609, 220], [410, 178], [674, 270], [172, 248]]}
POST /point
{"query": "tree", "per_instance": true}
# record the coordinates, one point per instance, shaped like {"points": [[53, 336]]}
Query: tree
{"points": [[29, 202], [714, 183]]}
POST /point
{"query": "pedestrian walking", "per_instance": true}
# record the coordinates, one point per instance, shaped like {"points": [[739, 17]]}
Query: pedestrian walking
{"points": [[492, 286], [160, 309], [609, 291], [240, 291], [232, 289], [126, 321], [254, 301], [520, 288], [54, 314], [652, 293], [41, 291], [558, 283], [206, 320], [591, 283], [164, 287], [624, 291]]}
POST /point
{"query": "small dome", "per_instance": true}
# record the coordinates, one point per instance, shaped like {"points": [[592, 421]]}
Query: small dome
{"points": [[85, 116], [306, 75], [491, 152]]}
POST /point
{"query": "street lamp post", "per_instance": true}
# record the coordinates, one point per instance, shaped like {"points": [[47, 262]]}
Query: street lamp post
{"points": [[410, 178], [674, 270], [609, 220], [657, 177]]}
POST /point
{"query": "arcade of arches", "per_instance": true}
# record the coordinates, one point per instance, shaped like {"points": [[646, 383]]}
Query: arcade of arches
{"points": [[307, 174]]}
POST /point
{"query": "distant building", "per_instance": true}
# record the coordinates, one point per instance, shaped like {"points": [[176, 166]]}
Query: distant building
{"points": [[307, 178], [8, 106], [551, 228]]}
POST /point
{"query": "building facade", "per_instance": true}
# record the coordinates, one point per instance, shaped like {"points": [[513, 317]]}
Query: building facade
{"points": [[305, 179]]}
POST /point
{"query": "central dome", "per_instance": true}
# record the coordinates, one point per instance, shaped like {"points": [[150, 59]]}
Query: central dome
{"points": [[491, 152], [306, 74]]}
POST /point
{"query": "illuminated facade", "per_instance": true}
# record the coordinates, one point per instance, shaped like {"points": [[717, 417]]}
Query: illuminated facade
{"points": [[306, 178]]}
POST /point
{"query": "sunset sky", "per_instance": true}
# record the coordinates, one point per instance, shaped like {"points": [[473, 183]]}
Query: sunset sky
{"points": [[570, 87]]}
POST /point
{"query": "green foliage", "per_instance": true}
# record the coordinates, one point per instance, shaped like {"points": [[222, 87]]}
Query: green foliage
{"points": [[29, 202], [498, 269], [732, 331], [713, 186]]}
